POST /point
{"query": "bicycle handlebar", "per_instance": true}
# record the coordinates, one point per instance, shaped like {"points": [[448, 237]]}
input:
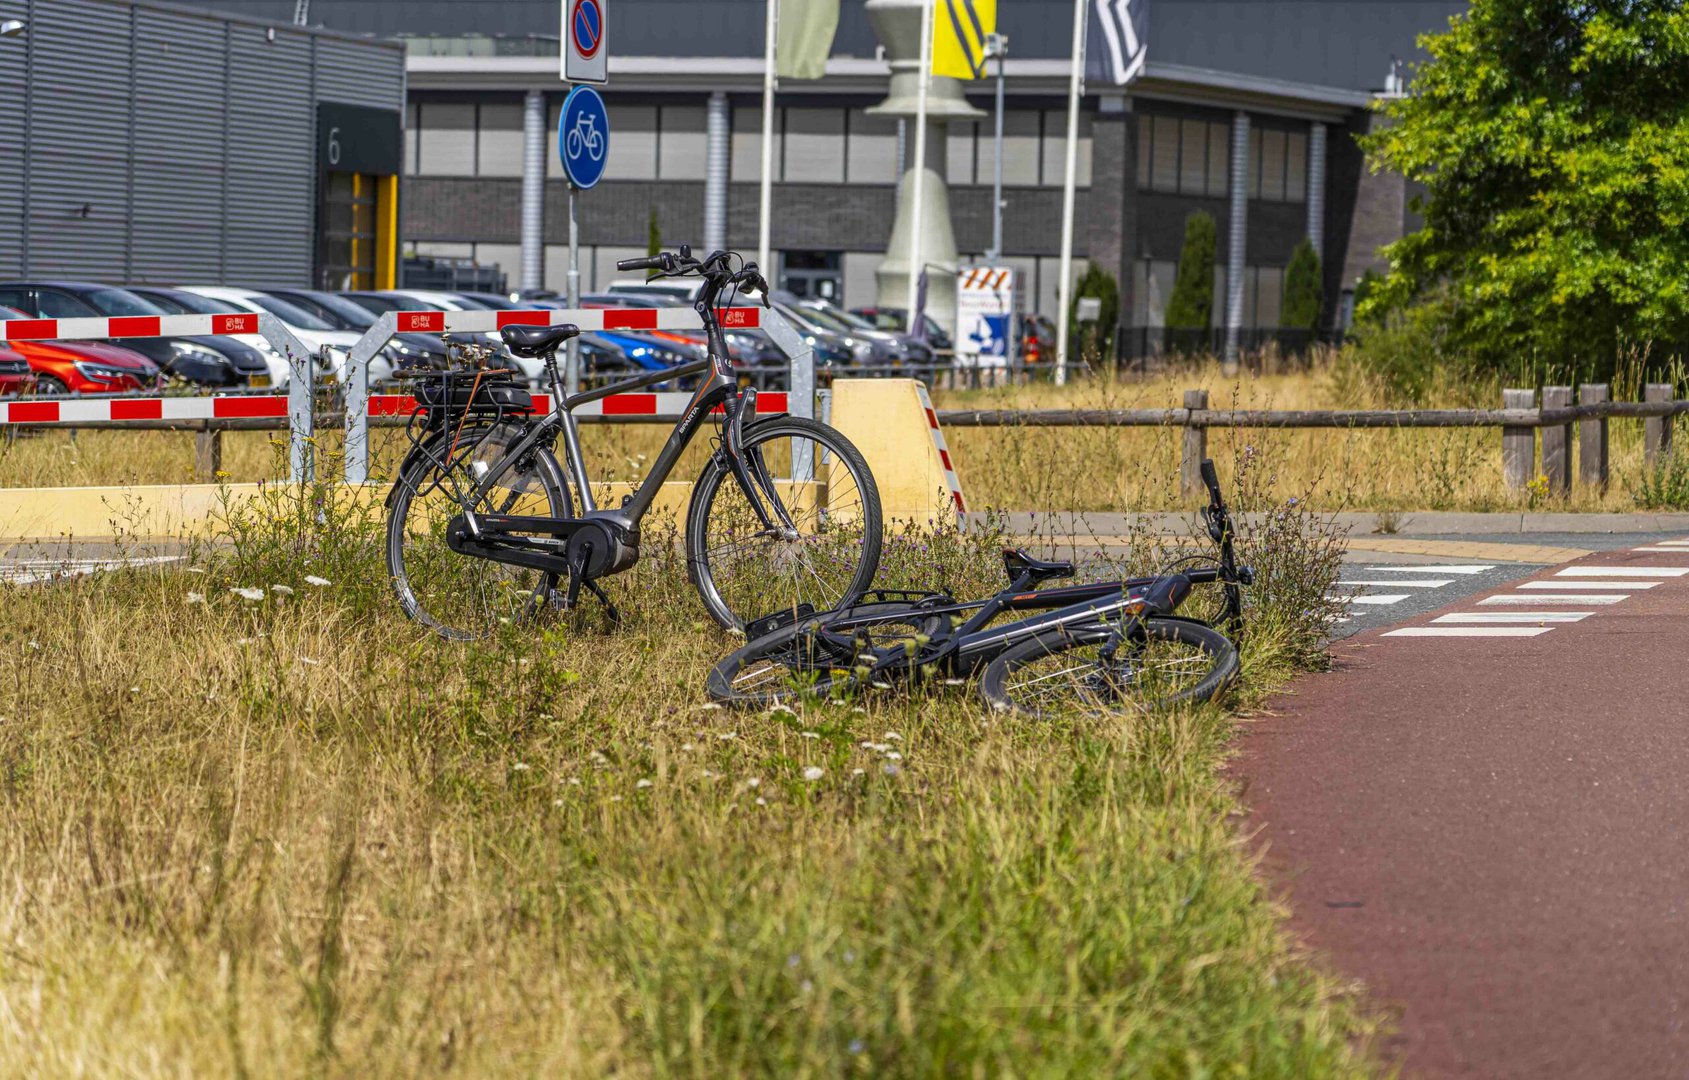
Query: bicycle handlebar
{"points": [[651, 262], [713, 269]]}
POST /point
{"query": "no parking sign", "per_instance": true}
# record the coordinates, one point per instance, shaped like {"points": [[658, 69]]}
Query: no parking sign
{"points": [[585, 57]]}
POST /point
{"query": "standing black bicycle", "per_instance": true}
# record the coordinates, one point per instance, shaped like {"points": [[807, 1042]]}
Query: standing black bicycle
{"points": [[784, 517], [1110, 646]]}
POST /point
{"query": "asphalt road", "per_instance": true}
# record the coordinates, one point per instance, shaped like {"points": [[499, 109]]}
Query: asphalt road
{"points": [[1479, 813]]}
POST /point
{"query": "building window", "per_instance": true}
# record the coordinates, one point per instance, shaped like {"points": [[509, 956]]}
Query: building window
{"points": [[963, 165], [1278, 164], [815, 145], [633, 151], [1021, 138], [871, 149], [1055, 150], [445, 138], [682, 142], [498, 145], [1183, 157], [1263, 295]]}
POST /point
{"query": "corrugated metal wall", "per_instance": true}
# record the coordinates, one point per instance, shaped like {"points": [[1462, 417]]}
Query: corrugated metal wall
{"points": [[155, 143]]}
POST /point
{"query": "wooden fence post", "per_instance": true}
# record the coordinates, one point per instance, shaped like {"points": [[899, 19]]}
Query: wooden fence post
{"points": [[1656, 430], [1592, 439], [208, 452], [1193, 450], [1518, 444], [1557, 443]]}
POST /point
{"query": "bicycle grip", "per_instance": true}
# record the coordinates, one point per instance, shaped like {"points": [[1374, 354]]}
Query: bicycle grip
{"points": [[649, 262], [1210, 477]]}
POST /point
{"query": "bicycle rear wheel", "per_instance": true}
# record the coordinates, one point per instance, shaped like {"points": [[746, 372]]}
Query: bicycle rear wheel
{"points": [[462, 597], [1108, 669], [744, 571], [819, 656]]}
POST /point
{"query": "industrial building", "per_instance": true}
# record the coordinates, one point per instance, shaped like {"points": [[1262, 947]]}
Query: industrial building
{"points": [[1247, 109]]}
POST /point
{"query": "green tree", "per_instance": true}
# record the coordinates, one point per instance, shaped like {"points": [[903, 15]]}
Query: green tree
{"points": [[1552, 138], [1191, 306], [1304, 294], [653, 240], [1094, 337]]}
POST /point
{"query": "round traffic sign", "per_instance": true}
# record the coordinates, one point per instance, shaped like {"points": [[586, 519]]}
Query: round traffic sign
{"points": [[587, 27], [583, 136]]}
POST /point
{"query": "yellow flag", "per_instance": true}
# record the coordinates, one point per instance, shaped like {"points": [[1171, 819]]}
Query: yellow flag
{"points": [[959, 28]]}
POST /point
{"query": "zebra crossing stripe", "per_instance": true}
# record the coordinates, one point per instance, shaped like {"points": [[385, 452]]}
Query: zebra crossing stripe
{"points": [[1469, 631], [1497, 617], [1624, 571]]}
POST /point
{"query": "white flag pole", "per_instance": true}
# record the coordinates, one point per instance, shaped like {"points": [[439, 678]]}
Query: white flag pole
{"points": [[766, 208], [915, 261], [1066, 283]]}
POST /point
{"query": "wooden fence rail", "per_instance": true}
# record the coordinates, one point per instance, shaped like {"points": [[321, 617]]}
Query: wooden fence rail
{"points": [[1519, 418]]}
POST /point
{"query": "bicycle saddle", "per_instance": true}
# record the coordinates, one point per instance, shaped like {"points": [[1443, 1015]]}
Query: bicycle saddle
{"points": [[1017, 562], [534, 340]]}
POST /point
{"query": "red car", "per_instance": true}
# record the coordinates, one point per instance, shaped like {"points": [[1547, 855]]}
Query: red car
{"points": [[82, 367], [15, 376]]}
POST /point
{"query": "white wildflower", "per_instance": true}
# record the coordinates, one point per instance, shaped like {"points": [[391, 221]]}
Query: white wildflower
{"points": [[779, 709], [248, 594], [306, 660], [893, 755], [643, 784], [281, 590], [892, 736], [727, 736], [317, 582], [196, 598], [754, 782], [761, 801], [858, 772], [814, 772], [809, 734], [520, 766]]}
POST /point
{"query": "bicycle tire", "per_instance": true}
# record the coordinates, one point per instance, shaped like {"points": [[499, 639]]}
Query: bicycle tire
{"points": [[847, 527], [415, 550], [790, 669], [1099, 689]]}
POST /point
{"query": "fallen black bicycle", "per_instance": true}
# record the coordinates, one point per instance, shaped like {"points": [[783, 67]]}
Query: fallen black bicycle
{"points": [[482, 526], [1111, 646]]}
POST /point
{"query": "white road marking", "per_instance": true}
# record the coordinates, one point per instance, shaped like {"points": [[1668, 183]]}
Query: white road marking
{"points": [[1665, 550], [1557, 598], [1623, 571], [1469, 631], [36, 571], [1404, 583], [1465, 568], [1588, 585], [1513, 616], [1380, 600]]}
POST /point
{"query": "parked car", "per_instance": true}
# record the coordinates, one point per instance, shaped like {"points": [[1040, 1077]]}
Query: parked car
{"points": [[83, 367], [406, 350], [209, 360], [861, 350], [902, 347], [897, 319], [312, 332], [382, 301], [15, 377], [182, 302]]}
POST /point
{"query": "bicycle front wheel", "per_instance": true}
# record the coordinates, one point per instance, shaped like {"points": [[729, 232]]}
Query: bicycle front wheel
{"points": [[744, 570], [1107, 669], [462, 597]]}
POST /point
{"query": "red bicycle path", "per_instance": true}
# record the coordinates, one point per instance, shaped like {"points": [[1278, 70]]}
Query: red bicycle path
{"points": [[1492, 834]]}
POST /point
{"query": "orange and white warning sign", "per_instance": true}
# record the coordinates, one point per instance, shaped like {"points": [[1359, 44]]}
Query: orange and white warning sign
{"points": [[985, 315]]}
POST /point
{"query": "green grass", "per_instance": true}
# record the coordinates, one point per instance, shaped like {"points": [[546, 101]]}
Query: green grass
{"points": [[299, 837]]}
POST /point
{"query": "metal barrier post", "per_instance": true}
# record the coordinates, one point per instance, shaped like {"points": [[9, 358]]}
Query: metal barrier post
{"points": [[301, 372], [801, 400], [357, 396]]}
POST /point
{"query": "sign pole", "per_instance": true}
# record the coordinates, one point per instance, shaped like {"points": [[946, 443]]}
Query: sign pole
{"points": [[1065, 293], [572, 361], [915, 185], [766, 194]]}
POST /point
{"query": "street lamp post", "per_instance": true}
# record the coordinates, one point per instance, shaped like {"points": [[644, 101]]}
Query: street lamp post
{"points": [[12, 28], [997, 45]]}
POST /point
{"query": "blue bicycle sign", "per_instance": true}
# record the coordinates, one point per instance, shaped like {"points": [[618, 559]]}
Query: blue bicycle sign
{"points": [[583, 136]]}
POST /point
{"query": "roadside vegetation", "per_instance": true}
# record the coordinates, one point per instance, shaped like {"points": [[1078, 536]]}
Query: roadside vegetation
{"points": [[1095, 469], [255, 823]]}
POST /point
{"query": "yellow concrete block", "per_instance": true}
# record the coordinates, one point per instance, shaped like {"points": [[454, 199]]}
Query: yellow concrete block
{"points": [[884, 418]]}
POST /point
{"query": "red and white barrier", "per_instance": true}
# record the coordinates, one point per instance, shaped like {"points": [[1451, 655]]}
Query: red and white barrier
{"points": [[943, 448], [588, 319], [116, 410], [128, 327]]}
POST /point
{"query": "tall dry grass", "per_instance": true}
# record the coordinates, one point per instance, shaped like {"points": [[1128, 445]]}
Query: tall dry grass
{"points": [[298, 836]]}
